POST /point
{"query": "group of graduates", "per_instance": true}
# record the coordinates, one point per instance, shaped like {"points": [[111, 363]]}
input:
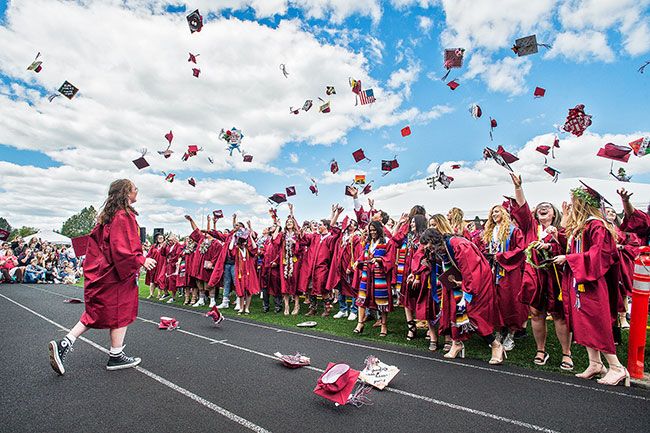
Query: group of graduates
{"points": [[459, 278]]}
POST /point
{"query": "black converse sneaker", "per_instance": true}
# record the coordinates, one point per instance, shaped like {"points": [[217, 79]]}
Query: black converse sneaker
{"points": [[58, 351], [121, 361]]}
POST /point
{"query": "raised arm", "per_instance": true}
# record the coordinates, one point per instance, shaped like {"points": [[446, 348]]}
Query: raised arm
{"points": [[519, 191], [192, 223], [625, 198]]}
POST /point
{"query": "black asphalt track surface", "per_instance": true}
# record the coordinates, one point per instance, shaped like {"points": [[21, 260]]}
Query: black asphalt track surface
{"points": [[232, 366]]}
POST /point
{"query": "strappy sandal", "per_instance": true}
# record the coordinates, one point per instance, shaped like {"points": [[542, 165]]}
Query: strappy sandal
{"points": [[384, 330], [566, 366], [412, 330], [359, 328], [541, 360], [447, 347], [433, 346]]}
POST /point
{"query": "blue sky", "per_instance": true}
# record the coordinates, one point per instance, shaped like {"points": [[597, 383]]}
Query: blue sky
{"points": [[598, 69]]}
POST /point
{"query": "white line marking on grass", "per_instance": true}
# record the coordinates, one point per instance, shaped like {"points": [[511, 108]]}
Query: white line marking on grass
{"points": [[189, 394], [396, 352]]}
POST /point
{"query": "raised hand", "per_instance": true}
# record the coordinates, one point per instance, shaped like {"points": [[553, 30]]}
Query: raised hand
{"points": [[625, 196], [187, 217], [516, 180]]}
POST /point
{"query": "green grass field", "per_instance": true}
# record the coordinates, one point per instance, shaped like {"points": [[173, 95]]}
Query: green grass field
{"points": [[475, 348]]}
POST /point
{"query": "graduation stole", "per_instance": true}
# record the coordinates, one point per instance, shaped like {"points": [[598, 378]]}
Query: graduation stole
{"points": [[500, 247], [289, 259], [205, 245], [461, 319], [241, 259]]}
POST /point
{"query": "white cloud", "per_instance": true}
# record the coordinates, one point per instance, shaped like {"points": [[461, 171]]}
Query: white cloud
{"points": [[637, 40], [343, 176], [404, 78], [584, 46], [425, 23], [403, 4], [507, 75], [392, 147], [294, 157]]}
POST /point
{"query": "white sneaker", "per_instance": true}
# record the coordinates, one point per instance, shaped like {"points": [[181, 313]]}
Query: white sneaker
{"points": [[509, 342], [224, 305], [171, 300], [162, 298], [341, 314], [212, 303], [238, 305], [199, 303], [352, 317]]}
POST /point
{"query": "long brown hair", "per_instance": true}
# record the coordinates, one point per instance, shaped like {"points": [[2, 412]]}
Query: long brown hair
{"points": [[118, 199]]}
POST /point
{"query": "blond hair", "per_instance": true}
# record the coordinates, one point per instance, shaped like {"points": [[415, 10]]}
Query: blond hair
{"points": [[456, 220], [581, 211], [504, 225], [441, 223]]}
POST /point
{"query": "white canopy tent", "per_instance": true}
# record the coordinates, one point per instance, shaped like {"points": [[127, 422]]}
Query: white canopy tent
{"points": [[51, 236], [477, 201]]}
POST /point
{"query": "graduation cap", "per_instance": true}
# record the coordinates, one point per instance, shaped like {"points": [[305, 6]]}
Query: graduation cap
{"points": [[355, 85], [141, 162], [191, 181], [376, 373], [291, 191], [405, 131], [166, 153], [193, 58], [293, 361], [283, 68], [217, 214], [329, 90], [643, 66], [499, 158], [359, 155], [543, 149], [334, 166], [211, 160], [453, 84], [313, 187], [617, 153], [325, 108], [196, 72], [337, 383], [307, 105], [67, 89], [195, 21], [539, 92], [493, 124], [168, 323], [595, 195], [389, 165], [215, 314], [169, 177], [294, 110], [455, 166], [453, 58], [641, 146], [169, 136], [349, 190], [248, 158], [527, 45], [621, 176], [359, 179], [277, 198], [507, 156], [368, 188], [577, 121], [551, 171], [36, 64], [476, 111]]}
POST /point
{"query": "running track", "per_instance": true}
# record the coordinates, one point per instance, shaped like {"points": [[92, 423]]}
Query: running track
{"points": [[201, 378]]}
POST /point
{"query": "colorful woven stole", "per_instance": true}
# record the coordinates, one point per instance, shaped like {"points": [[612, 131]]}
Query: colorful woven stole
{"points": [[401, 260], [461, 318], [381, 292], [500, 247], [578, 246]]}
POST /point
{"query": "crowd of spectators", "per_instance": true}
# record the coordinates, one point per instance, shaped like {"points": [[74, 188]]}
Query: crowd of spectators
{"points": [[37, 261]]}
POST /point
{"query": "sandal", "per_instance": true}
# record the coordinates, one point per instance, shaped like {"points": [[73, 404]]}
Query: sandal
{"points": [[412, 330], [359, 328], [384, 329], [566, 366], [447, 347], [433, 346], [542, 360]]}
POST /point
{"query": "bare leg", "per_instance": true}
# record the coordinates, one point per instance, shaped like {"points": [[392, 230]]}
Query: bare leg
{"points": [[117, 336], [616, 372], [78, 329], [595, 365], [285, 298], [538, 323], [564, 336]]}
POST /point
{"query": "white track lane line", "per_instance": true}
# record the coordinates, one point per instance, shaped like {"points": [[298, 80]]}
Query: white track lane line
{"points": [[189, 394], [396, 352]]}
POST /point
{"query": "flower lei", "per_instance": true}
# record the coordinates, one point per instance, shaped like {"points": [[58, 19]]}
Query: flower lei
{"points": [[205, 245], [529, 256], [189, 248], [584, 195], [288, 256]]}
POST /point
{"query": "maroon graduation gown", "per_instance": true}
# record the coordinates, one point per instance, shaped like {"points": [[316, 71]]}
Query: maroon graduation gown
{"points": [[246, 281], [421, 289], [154, 253], [345, 251], [589, 258], [639, 224], [113, 260], [202, 264], [289, 251], [271, 267], [512, 311], [323, 247]]}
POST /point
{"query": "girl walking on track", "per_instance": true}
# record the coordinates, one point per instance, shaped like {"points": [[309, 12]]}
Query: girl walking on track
{"points": [[113, 260]]}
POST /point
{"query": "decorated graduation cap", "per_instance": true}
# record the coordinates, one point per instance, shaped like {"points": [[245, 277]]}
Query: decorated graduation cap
{"points": [[330, 90], [313, 187], [141, 162], [291, 191], [360, 179], [36, 64], [453, 58], [336, 383], [621, 175], [577, 120], [215, 314], [640, 146], [527, 45], [277, 198], [168, 323], [217, 214], [169, 177], [211, 160], [307, 105], [617, 153], [493, 124], [195, 21], [539, 92], [196, 72], [325, 107], [248, 158], [544, 150], [376, 373], [453, 84], [389, 165], [475, 111], [405, 131], [359, 155], [293, 361], [67, 89], [355, 85], [334, 166], [590, 195], [192, 58], [350, 190], [191, 181], [500, 156]]}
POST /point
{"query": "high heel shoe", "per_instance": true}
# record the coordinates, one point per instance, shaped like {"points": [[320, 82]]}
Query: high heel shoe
{"points": [[359, 328], [625, 376], [601, 371], [412, 330], [455, 351], [498, 361]]}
